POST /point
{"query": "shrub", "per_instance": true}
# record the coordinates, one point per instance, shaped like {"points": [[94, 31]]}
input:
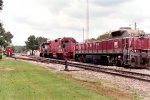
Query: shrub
{"points": [[0, 56]]}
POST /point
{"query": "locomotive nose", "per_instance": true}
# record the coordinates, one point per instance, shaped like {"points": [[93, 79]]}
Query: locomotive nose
{"points": [[140, 60]]}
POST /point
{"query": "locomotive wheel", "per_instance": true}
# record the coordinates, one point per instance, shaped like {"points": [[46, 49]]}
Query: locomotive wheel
{"points": [[45, 55], [133, 62], [114, 63], [110, 62], [50, 56], [83, 59], [76, 59], [41, 55], [119, 63], [80, 59]]}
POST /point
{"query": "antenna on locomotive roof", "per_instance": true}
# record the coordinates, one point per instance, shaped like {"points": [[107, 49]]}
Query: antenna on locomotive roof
{"points": [[83, 34], [135, 25]]}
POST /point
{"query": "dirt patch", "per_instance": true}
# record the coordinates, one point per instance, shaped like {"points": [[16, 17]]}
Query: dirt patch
{"points": [[6, 69]]}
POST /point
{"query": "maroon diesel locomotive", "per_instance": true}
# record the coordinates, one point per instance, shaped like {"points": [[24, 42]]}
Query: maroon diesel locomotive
{"points": [[124, 47], [59, 48]]}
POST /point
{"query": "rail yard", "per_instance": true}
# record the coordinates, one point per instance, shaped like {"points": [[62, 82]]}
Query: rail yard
{"points": [[74, 50], [123, 47], [124, 56]]}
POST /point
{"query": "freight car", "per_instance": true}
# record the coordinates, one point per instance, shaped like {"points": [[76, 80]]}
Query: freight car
{"points": [[125, 46], [59, 48]]}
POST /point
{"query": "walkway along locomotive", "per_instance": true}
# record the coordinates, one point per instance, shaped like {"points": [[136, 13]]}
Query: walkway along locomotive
{"points": [[125, 46]]}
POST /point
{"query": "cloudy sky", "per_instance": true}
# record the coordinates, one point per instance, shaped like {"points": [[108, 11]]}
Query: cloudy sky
{"points": [[63, 18]]}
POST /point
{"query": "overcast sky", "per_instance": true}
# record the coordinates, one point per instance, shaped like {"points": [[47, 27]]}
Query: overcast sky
{"points": [[63, 18]]}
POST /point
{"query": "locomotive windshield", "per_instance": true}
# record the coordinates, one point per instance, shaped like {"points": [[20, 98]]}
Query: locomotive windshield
{"points": [[64, 43], [73, 41], [44, 45]]}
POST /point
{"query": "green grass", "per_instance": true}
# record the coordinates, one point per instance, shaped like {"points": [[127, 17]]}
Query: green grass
{"points": [[25, 81]]}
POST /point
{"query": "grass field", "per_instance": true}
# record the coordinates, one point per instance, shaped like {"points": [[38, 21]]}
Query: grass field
{"points": [[24, 81]]}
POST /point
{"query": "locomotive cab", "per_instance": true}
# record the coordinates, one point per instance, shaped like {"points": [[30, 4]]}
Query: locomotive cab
{"points": [[66, 42], [67, 46], [44, 49]]}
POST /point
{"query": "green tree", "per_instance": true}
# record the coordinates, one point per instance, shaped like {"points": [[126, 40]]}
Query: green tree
{"points": [[90, 40], [20, 49], [2, 30], [8, 36], [5, 37], [2, 41], [41, 40], [32, 43], [1, 4], [103, 36]]}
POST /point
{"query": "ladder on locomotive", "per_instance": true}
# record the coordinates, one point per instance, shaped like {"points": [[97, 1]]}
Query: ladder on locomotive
{"points": [[126, 49]]}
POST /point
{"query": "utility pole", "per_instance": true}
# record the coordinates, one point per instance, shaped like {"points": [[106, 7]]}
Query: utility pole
{"points": [[87, 19]]}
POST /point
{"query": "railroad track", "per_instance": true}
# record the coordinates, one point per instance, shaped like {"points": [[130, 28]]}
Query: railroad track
{"points": [[112, 71]]}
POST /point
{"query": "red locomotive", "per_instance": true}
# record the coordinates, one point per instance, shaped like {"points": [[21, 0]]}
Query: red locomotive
{"points": [[9, 51], [60, 48], [124, 47]]}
